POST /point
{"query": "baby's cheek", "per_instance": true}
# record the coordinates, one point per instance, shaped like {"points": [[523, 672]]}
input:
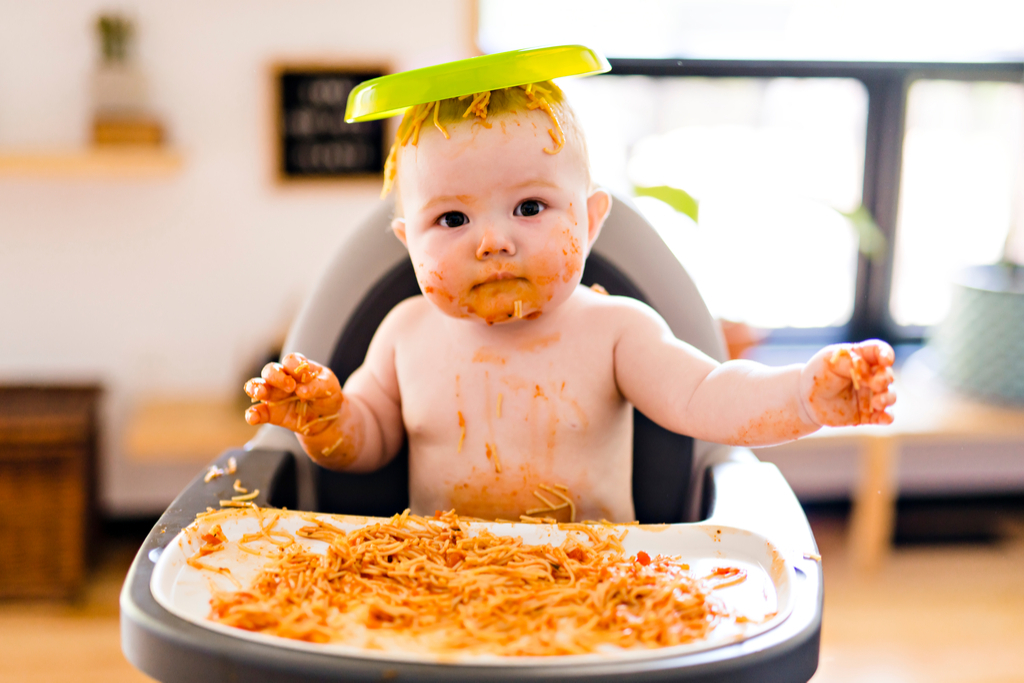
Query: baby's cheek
{"points": [[572, 255], [431, 279], [563, 258]]}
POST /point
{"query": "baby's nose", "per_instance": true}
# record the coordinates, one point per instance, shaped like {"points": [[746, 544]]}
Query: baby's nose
{"points": [[492, 243]]}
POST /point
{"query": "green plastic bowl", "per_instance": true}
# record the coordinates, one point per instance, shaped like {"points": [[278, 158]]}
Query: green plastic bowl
{"points": [[389, 95]]}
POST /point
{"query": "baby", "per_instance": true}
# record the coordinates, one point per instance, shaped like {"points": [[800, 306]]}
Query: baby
{"points": [[513, 383]]}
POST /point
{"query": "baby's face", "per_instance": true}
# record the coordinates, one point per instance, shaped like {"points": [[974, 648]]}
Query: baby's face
{"points": [[491, 218]]}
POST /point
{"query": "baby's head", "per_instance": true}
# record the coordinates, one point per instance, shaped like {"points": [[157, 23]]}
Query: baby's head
{"points": [[496, 203]]}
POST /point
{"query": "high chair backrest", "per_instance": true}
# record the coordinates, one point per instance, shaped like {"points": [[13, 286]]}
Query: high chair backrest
{"points": [[371, 273]]}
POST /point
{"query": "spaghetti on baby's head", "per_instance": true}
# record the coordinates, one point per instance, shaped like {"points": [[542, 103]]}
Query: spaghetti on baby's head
{"points": [[483, 109]]}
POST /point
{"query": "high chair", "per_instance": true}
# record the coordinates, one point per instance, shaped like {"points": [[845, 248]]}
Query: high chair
{"points": [[675, 479]]}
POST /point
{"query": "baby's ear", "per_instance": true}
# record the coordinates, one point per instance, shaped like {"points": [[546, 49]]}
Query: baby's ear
{"points": [[398, 227], [599, 203]]}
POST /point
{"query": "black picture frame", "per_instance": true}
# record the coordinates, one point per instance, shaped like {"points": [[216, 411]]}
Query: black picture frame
{"points": [[312, 142]]}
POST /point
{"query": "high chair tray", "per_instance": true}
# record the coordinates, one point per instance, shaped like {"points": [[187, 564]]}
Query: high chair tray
{"points": [[763, 600], [749, 496]]}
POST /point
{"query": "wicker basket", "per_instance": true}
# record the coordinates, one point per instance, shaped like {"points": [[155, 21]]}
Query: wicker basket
{"points": [[47, 465], [979, 347]]}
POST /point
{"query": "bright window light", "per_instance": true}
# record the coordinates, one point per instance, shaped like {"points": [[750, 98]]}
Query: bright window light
{"points": [[850, 30], [961, 173], [772, 162]]}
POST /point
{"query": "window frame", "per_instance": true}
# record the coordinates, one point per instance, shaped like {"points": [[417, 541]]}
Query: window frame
{"points": [[887, 84]]}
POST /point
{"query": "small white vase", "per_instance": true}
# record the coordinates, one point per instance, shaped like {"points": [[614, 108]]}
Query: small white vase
{"points": [[118, 91]]}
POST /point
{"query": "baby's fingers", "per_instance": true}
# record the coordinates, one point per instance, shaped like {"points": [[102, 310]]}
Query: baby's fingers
{"points": [[875, 352], [845, 361], [300, 367], [881, 418], [323, 385], [258, 414], [258, 389], [281, 413], [276, 376], [881, 380], [883, 400]]}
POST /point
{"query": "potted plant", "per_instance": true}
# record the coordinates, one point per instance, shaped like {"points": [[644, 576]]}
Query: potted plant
{"points": [[120, 111]]}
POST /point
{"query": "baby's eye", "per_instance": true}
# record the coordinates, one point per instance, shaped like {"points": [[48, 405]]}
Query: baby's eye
{"points": [[531, 207], [453, 219]]}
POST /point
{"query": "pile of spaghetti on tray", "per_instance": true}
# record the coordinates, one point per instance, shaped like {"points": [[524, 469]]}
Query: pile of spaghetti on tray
{"points": [[439, 585]]}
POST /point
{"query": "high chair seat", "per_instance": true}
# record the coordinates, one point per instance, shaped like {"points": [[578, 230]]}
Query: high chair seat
{"points": [[675, 479]]}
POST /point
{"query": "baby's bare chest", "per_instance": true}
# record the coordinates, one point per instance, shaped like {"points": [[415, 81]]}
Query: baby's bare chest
{"points": [[493, 426], [524, 394]]}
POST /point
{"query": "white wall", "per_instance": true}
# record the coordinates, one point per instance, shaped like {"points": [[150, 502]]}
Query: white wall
{"points": [[173, 285]]}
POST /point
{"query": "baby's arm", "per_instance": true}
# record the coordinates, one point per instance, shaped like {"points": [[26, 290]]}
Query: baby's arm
{"points": [[742, 402], [358, 429]]}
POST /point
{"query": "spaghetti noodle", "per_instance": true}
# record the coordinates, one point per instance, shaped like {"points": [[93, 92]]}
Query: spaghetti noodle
{"points": [[435, 583], [462, 432], [537, 97], [492, 455], [215, 471]]}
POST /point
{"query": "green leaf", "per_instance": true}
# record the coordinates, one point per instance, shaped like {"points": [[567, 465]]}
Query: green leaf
{"points": [[872, 241], [678, 199]]}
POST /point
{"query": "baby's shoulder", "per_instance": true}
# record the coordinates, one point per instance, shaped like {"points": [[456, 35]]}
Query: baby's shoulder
{"points": [[605, 318], [596, 304], [413, 308], [406, 317]]}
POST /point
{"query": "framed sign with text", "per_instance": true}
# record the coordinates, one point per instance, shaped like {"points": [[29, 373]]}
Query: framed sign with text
{"points": [[312, 141]]}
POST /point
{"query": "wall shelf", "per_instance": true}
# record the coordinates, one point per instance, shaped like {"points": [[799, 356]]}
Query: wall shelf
{"points": [[87, 163]]}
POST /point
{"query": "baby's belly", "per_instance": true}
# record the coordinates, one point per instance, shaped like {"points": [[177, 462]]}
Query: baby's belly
{"points": [[575, 484]]}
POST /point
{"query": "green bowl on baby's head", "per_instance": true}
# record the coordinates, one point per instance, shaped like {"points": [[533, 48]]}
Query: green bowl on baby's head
{"points": [[389, 95]]}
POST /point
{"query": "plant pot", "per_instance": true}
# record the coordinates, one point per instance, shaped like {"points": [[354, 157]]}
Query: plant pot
{"points": [[979, 347]]}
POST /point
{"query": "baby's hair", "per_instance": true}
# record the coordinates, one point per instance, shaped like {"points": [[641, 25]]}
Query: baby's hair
{"points": [[544, 95]]}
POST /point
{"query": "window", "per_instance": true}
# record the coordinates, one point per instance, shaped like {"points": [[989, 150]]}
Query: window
{"points": [[961, 171], [761, 30], [773, 162], [780, 116]]}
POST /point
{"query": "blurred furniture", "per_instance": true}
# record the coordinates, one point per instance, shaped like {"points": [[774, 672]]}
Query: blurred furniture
{"points": [[47, 488], [93, 163], [169, 430], [926, 411]]}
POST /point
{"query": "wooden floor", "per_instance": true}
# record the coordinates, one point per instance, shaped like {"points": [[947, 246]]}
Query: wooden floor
{"points": [[935, 614], [78, 642]]}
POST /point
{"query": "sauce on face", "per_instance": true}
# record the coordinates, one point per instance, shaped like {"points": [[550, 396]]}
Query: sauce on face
{"points": [[518, 273]]}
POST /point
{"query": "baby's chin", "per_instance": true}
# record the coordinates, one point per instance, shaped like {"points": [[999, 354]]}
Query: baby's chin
{"points": [[496, 303]]}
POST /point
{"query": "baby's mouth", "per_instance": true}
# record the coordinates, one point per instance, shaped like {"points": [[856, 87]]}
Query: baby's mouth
{"points": [[501, 297], [497, 277]]}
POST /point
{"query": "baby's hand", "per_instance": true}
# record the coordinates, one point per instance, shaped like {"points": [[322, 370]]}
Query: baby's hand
{"points": [[298, 394], [849, 384]]}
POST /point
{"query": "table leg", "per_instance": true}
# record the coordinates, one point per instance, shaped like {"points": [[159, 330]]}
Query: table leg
{"points": [[874, 503]]}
